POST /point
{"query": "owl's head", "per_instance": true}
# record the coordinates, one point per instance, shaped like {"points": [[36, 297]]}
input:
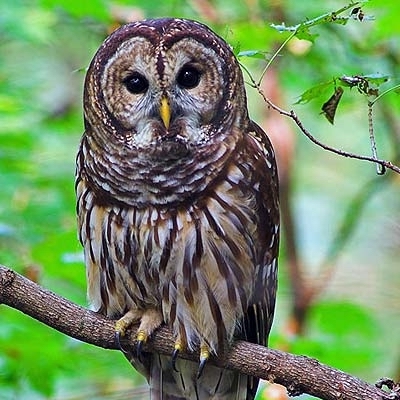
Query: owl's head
{"points": [[163, 92], [164, 80]]}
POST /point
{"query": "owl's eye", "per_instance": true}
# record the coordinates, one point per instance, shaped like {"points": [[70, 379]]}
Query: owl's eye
{"points": [[188, 77], [136, 83]]}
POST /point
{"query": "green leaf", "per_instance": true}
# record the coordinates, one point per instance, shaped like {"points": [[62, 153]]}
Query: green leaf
{"points": [[305, 34], [252, 54], [314, 92]]}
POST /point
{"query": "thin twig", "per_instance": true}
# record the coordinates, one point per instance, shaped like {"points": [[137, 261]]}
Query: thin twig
{"points": [[380, 170], [291, 114]]}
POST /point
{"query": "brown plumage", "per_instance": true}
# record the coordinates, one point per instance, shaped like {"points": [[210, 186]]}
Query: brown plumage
{"points": [[177, 201]]}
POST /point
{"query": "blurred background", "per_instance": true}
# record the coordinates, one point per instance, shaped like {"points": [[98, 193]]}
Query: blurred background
{"points": [[339, 296]]}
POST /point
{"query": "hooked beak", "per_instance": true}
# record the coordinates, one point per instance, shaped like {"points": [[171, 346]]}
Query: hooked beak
{"points": [[165, 112]]}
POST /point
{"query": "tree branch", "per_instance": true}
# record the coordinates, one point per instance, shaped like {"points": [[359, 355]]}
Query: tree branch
{"points": [[299, 374], [291, 114]]}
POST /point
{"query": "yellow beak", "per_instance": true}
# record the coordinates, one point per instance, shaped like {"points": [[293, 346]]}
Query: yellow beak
{"points": [[165, 112]]}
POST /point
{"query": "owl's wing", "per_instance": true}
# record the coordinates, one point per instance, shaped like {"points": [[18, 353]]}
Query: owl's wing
{"points": [[259, 316]]}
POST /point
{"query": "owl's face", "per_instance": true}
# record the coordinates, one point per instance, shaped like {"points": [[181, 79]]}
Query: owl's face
{"points": [[163, 95], [160, 92], [165, 80]]}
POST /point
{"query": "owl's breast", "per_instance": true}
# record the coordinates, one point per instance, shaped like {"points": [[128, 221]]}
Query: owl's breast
{"points": [[169, 172], [203, 256], [194, 261], [170, 150]]}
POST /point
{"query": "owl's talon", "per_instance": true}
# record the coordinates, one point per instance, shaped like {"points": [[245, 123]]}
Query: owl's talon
{"points": [[139, 349], [117, 339], [141, 338], [121, 327], [204, 356], [174, 357], [175, 354], [202, 364]]}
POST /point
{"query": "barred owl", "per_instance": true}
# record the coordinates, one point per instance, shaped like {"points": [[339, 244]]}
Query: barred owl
{"points": [[177, 202]]}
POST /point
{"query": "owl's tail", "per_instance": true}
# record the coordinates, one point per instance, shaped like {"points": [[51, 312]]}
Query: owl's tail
{"points": [[182, 384], [162, 380]]}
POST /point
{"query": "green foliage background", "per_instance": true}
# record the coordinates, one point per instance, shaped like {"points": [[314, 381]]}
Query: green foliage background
{"points": [[44, 50]]}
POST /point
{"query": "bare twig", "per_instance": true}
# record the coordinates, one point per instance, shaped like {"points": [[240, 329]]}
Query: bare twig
{"points": [[291, 114], [380, 170], [299, 374]]}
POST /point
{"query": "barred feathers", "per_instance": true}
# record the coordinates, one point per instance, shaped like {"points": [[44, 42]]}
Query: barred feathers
{"points": [[180, 220]]}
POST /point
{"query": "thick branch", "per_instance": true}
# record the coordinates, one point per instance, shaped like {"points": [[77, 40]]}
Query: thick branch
{"points": [[299, 374]]}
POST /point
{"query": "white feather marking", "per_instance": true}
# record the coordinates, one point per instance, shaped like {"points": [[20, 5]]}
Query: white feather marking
{"points": [[235, 175], [154, 216]]}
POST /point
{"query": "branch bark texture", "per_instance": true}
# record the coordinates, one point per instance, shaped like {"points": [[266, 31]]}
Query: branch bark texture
{"points": [[299, 374]]}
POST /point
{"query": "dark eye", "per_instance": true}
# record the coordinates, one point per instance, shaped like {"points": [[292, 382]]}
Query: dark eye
{"points": [[188, 77], [136, 83]]}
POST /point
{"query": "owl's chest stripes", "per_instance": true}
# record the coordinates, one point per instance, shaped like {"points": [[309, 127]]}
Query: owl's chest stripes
{"points": [[194, 262]]}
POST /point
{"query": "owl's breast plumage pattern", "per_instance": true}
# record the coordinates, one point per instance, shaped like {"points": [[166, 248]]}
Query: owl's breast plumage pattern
{"points": [[194, 261]]}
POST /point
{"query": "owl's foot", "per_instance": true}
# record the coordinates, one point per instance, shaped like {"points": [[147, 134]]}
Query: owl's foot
{"points": [[150, 320], [204, 356], [122, 325]]}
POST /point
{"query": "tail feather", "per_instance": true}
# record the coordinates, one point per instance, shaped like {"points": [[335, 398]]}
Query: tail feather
{"points": [[214, 384], [164, 381]]}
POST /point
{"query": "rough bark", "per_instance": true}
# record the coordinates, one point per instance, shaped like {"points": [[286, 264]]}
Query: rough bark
{"points": [[299, 374]]}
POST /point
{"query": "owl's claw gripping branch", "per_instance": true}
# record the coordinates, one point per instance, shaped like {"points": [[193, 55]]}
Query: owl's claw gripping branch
{"points": [[150, 320], [141, 338], [204, 356], [122, 325], [117, 338], [177, 349]]}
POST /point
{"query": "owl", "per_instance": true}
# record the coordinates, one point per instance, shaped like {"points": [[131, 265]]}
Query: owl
{"points": [[177, 203]]}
